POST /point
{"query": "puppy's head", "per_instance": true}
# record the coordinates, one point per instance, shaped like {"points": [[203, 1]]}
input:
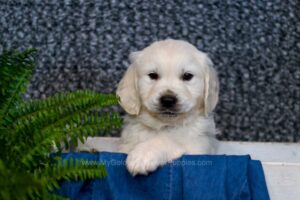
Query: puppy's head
{"points": [[169, 79]]}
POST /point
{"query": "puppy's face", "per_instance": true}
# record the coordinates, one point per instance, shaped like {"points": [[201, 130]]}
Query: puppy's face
{"points": [[169, 79]]}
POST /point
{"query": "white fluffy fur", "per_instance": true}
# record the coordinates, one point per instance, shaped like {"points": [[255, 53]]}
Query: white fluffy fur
{"points": [[150, 138]]}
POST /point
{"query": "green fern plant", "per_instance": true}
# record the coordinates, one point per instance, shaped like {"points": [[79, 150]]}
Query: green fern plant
{"points": [[30, 129]]}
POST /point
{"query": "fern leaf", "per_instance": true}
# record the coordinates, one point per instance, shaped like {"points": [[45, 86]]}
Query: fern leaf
{"points": [[34, 107], [78, 128], [42, 114], [12, 88], [72, 169], [16, 185]]}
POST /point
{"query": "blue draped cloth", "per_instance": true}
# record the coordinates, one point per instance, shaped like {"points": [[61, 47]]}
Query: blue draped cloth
{"points": [[189, 177]]}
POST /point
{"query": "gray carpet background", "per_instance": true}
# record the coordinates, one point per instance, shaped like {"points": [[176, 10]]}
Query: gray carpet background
{"points": [[255, 46]]}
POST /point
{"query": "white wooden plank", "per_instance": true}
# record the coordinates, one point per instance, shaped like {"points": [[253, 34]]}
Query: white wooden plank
{"points": [[263, 151], [283, 180], [109, 144]]}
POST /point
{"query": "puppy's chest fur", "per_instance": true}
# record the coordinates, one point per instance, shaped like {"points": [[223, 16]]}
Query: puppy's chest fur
{"points": [[195, 135]]}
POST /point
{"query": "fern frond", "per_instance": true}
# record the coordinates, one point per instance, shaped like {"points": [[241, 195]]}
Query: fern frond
{"points": [[42, 183], [21, 65], [41, 114], [16, 185], [35, 118], [60, 100], [78, 128], [39, 122], [91, 125], [72, 169]]}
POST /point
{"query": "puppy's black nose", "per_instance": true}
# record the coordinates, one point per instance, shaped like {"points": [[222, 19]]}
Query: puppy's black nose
{"points": [[168, 101]]}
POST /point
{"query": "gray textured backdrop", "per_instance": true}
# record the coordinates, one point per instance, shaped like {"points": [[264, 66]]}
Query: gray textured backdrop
{"points": [[255, 46]]}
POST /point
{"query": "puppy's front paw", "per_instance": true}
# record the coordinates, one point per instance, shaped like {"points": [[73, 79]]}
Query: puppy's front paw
{"points": [[143, 161], [148, 157]]}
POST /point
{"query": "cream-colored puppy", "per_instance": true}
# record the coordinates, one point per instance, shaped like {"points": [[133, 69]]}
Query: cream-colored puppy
{"points": [[169, 92]]}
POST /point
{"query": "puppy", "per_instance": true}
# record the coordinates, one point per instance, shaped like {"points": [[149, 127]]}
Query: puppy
{"points": [[169, 91]]}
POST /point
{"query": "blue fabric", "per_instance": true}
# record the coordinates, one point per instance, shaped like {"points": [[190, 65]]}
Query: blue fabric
{"points": [[189, 177]]}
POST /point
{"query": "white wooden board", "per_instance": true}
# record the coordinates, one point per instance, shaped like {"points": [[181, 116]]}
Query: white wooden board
{"points": [[281, 162]]}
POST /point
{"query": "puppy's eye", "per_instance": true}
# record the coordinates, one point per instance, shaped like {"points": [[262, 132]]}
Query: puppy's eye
{"points": [[187, 76], [153, 76]]}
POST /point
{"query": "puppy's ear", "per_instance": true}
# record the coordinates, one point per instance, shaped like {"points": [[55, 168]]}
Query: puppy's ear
{"points": [[211, 87], [127, 88]]}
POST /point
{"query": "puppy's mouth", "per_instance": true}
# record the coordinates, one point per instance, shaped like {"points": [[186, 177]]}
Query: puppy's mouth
{"points": [[168, 114]]}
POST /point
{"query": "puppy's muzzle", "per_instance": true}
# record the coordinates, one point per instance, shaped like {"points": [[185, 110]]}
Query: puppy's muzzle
{"points": [[168, 101]]}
